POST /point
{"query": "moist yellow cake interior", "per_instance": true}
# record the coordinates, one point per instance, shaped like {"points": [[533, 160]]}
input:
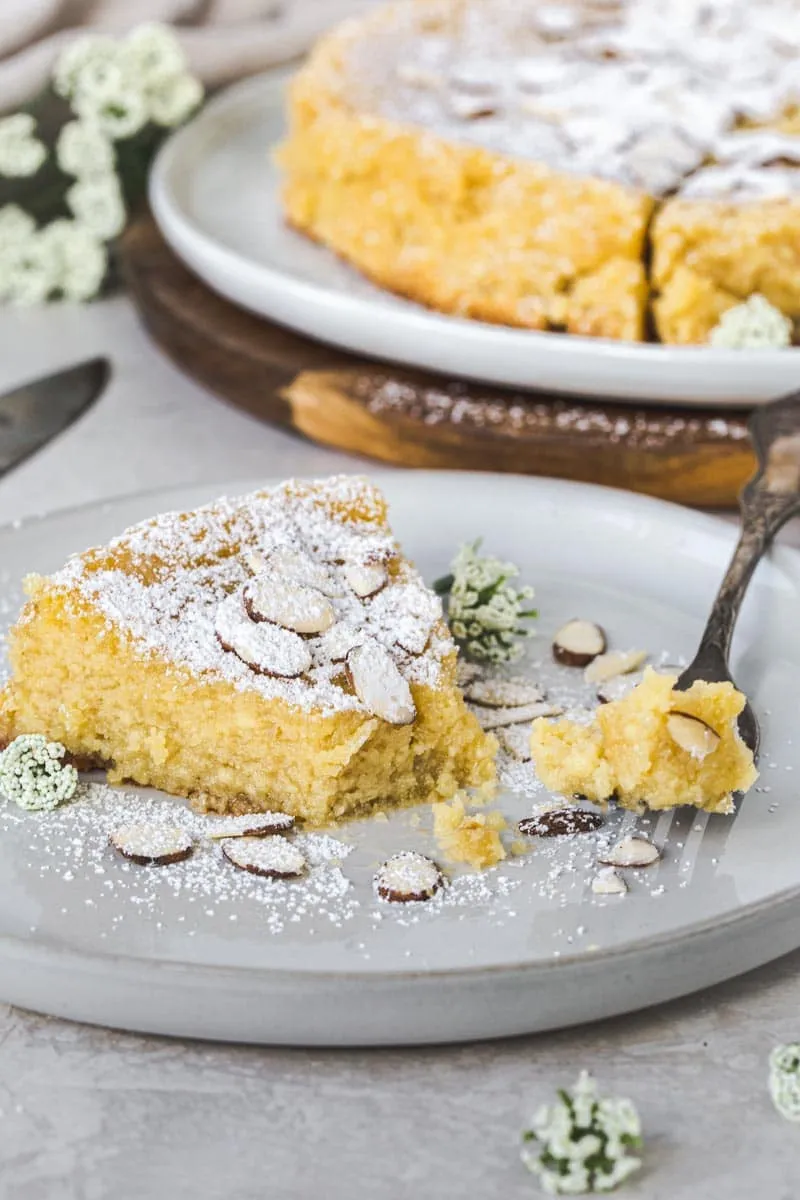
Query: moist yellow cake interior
{"points": [[628, 753], [115, 656]]}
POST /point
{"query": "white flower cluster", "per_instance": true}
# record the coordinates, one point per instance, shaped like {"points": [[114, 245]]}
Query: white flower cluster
{"points": [[581, 1144], [115, 90], [118, 87], [21, 153], [754, 325], [483, 610], [784, 1080], [33, 773]]}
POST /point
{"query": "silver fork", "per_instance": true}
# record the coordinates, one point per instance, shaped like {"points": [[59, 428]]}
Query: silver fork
{"points": [[767, 502]]}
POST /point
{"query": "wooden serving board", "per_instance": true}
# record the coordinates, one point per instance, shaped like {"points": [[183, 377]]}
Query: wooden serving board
{"points": [[418, 419]]}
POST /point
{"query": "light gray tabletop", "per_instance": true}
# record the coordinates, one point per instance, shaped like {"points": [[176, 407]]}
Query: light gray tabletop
{"points": [[86, 1114]]}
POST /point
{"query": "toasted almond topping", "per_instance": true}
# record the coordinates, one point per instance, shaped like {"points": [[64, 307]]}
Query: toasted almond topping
{"points": [[152, 845], [271, 857], [497, 718], [692, 734], [250, 825], [366, 579], [618, 662], [618, 687], [503, 693], [631, 852], [608, 883], [556, 822], [516, 741], [289, 563], [408, 876], [578, 642], [336, 643], [376, 680], [266, 649], [288, 604]]}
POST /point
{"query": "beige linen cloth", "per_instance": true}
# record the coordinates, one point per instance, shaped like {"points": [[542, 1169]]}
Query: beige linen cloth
{"points": [[223, 39]]}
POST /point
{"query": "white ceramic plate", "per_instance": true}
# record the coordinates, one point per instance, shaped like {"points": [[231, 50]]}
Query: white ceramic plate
{"points": [[214, 193], [86, 936]]}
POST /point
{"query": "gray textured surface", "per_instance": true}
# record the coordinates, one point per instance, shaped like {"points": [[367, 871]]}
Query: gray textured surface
{"points": [[87, 1114]]}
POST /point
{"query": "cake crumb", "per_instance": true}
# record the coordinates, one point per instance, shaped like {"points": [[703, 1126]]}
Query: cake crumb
{"points": [[471, 838]]}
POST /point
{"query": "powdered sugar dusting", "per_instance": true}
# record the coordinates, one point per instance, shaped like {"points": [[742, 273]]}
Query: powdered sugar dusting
{"points": [[169, 582], [641, 92]]}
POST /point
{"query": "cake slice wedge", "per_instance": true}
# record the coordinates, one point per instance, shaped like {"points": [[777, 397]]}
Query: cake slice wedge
{"points": [[274, 651]]}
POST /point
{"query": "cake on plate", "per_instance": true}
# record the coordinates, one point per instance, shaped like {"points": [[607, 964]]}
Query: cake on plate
{"points": [[271, 651], [620, 169]]}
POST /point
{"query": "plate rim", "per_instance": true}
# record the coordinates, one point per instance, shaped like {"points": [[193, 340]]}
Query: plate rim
{"points": [[182, 233], [706, 928]]}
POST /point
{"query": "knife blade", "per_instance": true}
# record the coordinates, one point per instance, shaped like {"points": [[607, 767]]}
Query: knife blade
{"points": [[31, 415]]}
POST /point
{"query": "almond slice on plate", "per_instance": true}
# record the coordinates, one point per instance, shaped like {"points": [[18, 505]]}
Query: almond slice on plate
{"points": [[607, 882], [467, 672], [250, 825], [557, 822], [408, 876], [497, 718], [365, 579], [692, 734], [631, 852], [516, 741], [503, 693], [288, 604], [270, 857], [376, 680], [578, 642], [617, 662], [152, 845], [266, 649], [619, 687]]}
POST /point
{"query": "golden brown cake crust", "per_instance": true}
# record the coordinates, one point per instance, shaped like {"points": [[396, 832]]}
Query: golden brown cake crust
{"points": [[117, 657], [455, 226]]}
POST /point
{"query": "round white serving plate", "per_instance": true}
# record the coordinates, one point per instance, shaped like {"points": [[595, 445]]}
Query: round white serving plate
{"points": [[724, 899], [215, 194]]}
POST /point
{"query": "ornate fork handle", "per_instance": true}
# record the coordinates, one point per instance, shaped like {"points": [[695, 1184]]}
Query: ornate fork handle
{"points": [[767, 502]]}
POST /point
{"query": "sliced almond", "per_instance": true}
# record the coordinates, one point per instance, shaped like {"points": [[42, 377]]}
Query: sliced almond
{"points": [[608, 883], [336, 643], [503, 693], [407, 877], [631, 852], [692, 734], [578, 642], [271, 857], [365, 579], [266, 649], [617, 662], [516, 741], [289, 604], [376, 680], [152, 845], [299, 565], [250, 825], [467, 672], [558, 822], [619, 687], [498, 718]]}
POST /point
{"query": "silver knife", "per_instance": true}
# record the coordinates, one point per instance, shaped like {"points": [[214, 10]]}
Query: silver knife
{"points": [[33, 414]]}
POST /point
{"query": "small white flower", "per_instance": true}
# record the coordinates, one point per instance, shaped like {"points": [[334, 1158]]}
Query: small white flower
{"points": [[34, 775], [16, 226], [99, 206], [84, 150], [82, 259], [29, 272], [173, 100], [21, 154], [784, 1080], [82, 57], [754, 325], [152, 54], [106, 99]]}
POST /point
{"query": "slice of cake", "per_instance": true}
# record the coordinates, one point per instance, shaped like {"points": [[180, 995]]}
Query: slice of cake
{"points": [[273, 651]]}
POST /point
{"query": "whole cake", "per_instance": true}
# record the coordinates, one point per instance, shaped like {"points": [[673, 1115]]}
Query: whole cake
{"points": [[593, 166], [273, 651]]}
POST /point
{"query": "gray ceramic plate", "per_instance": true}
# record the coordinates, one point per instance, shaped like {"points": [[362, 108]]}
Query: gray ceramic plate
{"points": [[193, 952]]}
